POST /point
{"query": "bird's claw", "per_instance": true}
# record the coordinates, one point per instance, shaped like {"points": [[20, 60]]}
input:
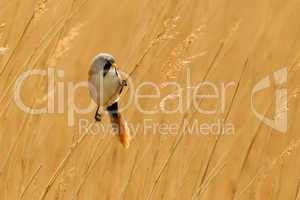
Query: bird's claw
{"points": [[124, 82], [98, 117]]}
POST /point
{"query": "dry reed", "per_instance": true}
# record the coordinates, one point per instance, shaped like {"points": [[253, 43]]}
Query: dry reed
{"points": [[2, 26], [64, 182], [40, 8], [3, 50], [64, 45], [168, 33], [63, 163], [264, 171], [30, 182], [177, 59]]}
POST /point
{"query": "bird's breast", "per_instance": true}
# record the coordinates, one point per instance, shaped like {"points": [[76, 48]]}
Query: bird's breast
{"points": [[105, 89]]}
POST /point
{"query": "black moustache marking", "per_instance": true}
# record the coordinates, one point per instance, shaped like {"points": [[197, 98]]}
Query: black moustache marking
{"points": [[106, 68]]}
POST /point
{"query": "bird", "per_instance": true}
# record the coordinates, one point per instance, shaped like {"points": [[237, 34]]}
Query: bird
{"points": [[105, 87]]}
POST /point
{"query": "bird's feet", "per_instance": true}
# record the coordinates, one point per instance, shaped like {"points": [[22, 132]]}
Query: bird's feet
{"points": [[98, 117], [124, 82]]}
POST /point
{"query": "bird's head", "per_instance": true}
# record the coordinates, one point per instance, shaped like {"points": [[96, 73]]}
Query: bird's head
{"points": [[101, 62]]}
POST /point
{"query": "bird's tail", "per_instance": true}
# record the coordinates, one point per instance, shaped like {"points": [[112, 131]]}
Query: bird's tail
{"points": [[120, 125], [122, 129]]}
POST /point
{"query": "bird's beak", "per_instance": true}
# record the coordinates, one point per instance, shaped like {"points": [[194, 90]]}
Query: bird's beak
{"points": [[115, 65]]}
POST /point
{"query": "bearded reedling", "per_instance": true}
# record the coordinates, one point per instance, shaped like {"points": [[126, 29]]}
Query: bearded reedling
{"points": [[105, 86]]}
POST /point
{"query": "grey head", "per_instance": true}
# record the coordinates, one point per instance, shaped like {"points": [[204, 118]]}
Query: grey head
{"points": [[100, 62]]}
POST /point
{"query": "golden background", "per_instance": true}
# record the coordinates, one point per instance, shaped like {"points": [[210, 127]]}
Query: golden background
{"points": [[218, 40]]}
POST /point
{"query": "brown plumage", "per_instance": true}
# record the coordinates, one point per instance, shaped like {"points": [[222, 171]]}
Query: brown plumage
{"points": [[119, 124]]}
